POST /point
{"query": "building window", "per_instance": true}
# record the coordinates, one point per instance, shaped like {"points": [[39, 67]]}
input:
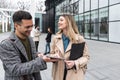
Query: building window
{"points": [[87, 5], [94, 4], [114, 31], [95, 18], [87, 25], [103, 25], [75, 8], [81, 6], [103, 3], [114, 1], [81, 24], [114, 13], [94, 25]]}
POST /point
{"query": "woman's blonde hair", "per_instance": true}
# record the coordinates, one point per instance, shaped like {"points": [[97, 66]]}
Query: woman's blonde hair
{"points": [[72, 28]]}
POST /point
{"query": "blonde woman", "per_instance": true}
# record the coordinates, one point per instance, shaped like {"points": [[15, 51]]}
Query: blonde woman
{"points": [[61, 45], [36, 37]]}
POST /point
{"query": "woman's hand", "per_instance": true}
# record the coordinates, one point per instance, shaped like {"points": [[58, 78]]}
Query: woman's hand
{"points": [[69, 64], [55, 55]]}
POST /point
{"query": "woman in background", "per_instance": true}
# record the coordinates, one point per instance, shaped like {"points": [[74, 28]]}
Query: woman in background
{"points": [[36, 36]]}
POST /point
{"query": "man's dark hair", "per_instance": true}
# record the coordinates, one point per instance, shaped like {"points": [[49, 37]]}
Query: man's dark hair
{"points": [[19, 15]]}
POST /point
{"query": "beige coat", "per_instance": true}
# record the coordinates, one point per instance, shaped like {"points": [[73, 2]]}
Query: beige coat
{"points": [[58, 67], [36, 35]]}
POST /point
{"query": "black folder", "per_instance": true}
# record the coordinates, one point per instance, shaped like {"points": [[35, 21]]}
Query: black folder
{"points": [[76, 50]]}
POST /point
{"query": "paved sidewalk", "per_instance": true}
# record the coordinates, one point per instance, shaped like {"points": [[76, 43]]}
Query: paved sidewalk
{"points": [[104, 61], [4, 35]]}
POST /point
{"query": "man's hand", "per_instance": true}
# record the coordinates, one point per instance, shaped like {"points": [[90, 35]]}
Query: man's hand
{"points": [[40, 55], [46, 59]]}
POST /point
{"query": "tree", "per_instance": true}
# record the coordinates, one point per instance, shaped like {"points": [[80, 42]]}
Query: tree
{"points": [[3, 4], [23, 5], [40, 6]]}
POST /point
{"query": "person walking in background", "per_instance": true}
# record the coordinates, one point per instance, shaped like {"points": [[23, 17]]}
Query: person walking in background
{"points": [[36, 37], [48, 40], [61, 45], [18, 54]]}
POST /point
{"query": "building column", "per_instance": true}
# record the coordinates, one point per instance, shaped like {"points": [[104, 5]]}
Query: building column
{"points": [[6, 26], [32, 11], [3, 26]]}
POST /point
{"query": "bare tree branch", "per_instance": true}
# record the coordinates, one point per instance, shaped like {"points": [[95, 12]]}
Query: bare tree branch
{"points": [[3, 4], [40, 5], [23, 5]]}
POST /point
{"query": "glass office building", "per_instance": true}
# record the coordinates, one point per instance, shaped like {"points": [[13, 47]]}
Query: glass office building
{"points": [[96, 19]]}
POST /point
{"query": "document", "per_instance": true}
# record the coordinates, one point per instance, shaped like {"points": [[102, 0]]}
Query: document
{"points": [[53, 57], [76, 50]]}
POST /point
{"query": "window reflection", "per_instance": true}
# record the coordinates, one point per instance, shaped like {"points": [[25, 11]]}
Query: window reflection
{"points": [[103, 3], [87, 25], [103, 26], [81, 24], [94, 4], [94, 25], [87, 5], [103, 18], [114, 1]]}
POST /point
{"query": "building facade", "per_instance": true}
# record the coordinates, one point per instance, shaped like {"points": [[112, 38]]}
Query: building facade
{"points": [[6, 23], [96, 19]]}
